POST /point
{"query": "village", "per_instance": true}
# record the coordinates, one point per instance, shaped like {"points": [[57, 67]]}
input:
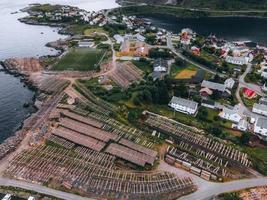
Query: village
{"points": [[129, 109]]}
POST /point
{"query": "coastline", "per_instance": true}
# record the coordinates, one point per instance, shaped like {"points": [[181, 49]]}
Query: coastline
{"points": [[10, 144]]}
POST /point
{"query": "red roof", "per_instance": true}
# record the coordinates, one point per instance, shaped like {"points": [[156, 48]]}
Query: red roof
{"points": [[248, 92]]}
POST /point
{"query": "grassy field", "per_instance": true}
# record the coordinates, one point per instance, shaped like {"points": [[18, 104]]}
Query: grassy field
{"points": [[80, 59], [176, 70], [185, 74], [89, 31]]}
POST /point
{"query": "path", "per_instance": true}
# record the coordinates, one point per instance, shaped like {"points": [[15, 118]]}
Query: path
{"points": [[242, 83]]}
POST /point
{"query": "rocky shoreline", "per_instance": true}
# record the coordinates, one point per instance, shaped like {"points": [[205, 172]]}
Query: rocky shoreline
{"points": [[11, 143]]}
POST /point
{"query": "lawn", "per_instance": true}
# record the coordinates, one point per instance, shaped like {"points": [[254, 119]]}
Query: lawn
{"points": [[145, 65], [259, 158], [175, 69], [90, 31], [80, 59], [185, 74]]}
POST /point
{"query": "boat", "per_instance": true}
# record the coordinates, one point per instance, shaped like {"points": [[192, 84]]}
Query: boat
{"points": [[7, 197]]}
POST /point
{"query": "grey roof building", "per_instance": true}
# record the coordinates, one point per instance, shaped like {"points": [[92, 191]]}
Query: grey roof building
{"points": [[213, 86], [183, 105]]}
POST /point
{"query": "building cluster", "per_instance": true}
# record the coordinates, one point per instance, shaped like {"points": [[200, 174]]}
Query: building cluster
{"points": [[141, 26], [237, 53], [132, 45], [187, 36], [63, 13]]}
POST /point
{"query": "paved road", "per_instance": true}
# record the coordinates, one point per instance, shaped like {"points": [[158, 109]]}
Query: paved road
{"points": [[251, 86], [40, 189], [242, 83], [214, 189], [207, 189]]}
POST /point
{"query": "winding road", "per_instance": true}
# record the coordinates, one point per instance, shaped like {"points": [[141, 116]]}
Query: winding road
{"points": [[40, 189], [207, 189]]}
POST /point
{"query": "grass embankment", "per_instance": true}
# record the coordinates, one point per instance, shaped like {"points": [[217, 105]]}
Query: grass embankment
{"points": [[80, 59]]}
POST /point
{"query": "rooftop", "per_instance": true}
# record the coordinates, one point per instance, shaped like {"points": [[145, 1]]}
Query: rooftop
{"points": [[214, 86], [260, 107], [184, 102], [261, 122]]}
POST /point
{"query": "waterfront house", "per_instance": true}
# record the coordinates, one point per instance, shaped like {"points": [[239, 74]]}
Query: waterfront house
{"points": [[184, 105]]}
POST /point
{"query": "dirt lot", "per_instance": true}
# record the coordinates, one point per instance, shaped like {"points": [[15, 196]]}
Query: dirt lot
{"points": [[185, 74]]}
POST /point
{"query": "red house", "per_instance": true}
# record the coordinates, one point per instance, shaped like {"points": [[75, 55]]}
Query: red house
{"points": [[250, 94]]}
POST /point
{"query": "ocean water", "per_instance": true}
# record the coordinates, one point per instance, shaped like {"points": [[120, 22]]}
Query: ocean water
{"points": [[22, 40]]}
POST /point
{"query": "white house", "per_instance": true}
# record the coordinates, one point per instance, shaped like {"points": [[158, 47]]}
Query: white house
{"points": [[234, 114], [242, 125], [260, 109], [260, 128], [229, 83], [237, 60], [160, 65], [184, 105], [139, 37], [119, 39]]}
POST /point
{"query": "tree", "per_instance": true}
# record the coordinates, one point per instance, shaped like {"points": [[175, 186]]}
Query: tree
{"points": [[147, 96], [133, 115], [181, 90], [245, 137], [136, 101], [202, 113], [216, 95], [216, 131], [180, 62]]}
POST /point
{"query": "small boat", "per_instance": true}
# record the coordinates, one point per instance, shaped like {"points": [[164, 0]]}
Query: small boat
{"points": [[26, 105], [42, 33]]}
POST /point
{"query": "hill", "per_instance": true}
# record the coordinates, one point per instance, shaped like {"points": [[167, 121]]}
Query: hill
{"points": [[225, 4], [212, 4]]}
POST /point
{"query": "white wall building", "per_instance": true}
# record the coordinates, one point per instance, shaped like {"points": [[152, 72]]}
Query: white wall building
{"points": [[184, 105], [260, 128], [229, 83], [242, 125], [260, 109], [234, 114], [237, 60]]}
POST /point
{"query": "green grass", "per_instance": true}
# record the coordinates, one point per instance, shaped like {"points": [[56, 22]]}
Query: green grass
{"points": [[145, 66], [80, 59], [259, 158]]}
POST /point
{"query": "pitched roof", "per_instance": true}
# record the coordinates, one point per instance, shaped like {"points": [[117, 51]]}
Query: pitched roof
{"points": [[260, 107], [248, 92], [213, 85], [184, 102], [261, 122]]}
